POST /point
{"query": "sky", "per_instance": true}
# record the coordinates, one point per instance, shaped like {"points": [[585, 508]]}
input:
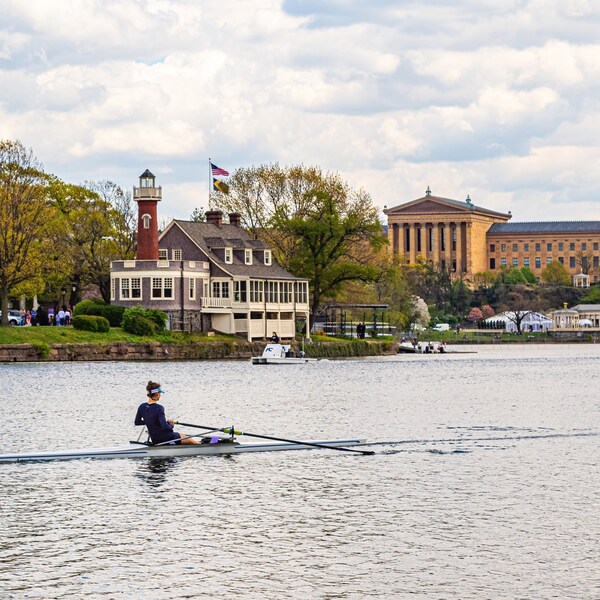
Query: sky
{"points": [[495, 99]]}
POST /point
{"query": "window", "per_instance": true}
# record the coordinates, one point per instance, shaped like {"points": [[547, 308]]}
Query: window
{"points": [[192, 288], [162, 287], [538, 262], [492, 247], [515, 247], [256, 291], [572, 247], [268, 258], [272, 291], [595, 245], [561, 260], [549, 259], [526, 261], [131, 289], [162, 254], [503, 248], [146, 221], [596, 261], [228, 255], [216, 292], [285, 292], [225, 289], [572, 262], [561, 246], [239, 291], [176, 254], [503, 262], [515, 262], [525, 247], [492, 264], [248, 256], [113, 288], [538, 247], [549, 247], [583, 246], [301, 292]]}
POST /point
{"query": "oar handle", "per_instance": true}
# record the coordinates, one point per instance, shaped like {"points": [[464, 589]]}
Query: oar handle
{"points": [[231, 430]]}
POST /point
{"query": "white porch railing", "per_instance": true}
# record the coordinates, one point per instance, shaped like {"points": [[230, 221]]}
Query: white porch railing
{"points": [[216, 302]]}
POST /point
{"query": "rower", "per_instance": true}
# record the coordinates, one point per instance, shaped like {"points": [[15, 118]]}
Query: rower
{"points": [[152, 415]]}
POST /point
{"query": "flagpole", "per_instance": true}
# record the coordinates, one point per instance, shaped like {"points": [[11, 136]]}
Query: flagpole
{"points": [[209, 182]]}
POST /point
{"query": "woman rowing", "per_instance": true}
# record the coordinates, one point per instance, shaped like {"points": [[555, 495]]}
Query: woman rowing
{"points": [[152, 415]]}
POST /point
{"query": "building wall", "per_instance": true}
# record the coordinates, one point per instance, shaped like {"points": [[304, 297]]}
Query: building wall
{"points": [[569, 253]]}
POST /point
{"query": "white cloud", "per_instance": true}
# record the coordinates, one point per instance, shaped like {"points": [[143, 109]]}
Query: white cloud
{"points": [[494, 98]]}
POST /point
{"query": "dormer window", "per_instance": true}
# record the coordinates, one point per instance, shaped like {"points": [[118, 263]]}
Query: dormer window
{"points": [[146, 221], [229, 255], [248, 256], [268, 258]]}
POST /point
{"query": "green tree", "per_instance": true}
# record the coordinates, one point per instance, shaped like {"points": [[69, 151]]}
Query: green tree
{"points": [[519, 301], [317, 226], [328, 240], [24, 214], [556, 274], [529, 275], [514, 276]]}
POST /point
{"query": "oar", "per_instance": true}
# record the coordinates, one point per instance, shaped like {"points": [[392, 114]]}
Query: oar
{"points": [[230, 430]]}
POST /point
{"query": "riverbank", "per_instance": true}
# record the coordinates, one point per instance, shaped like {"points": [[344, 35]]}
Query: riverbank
{"points": [[43, 344]]}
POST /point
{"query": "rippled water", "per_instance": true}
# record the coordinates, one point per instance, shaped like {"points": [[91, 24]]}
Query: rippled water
{"points": [[485, 483]]}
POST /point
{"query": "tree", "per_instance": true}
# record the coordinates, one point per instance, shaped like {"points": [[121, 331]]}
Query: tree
{"points": [[328, 240], [318, 227], [475, 315], [520, 301], [198, 215], [24, 214], [585, 261], [487, 311], [514, 276], [484, 279], [529, 275], [556, 274]]}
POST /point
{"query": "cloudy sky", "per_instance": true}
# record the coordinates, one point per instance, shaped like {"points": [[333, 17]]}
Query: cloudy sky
{"points": [[497, 99]]}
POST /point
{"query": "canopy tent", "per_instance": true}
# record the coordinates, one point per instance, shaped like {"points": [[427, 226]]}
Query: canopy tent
{"points": [[532, 321]]}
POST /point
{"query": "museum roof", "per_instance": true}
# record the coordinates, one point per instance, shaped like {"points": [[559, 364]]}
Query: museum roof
{"points": [[546, 227]]}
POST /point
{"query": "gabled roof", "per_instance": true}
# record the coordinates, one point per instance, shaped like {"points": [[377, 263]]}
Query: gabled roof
{"points": [[547, 227], [208, 236], [437, 204]]}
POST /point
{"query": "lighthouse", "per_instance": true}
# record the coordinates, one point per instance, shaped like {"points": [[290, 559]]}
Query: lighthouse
{"points": [[147, 196]]}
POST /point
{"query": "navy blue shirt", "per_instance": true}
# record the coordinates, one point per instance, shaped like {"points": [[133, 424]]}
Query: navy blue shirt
{"points": [[153, 417]]}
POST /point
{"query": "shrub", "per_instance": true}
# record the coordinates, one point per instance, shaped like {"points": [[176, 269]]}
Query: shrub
{"points": [[158, 317], [91, 323], [140, 322], [88, 307], [113, 314]]}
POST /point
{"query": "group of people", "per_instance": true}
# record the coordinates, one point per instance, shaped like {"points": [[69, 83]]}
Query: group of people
{"points": [[41, 316]]}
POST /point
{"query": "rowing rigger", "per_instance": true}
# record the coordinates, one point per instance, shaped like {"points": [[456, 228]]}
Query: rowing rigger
{"points": [[210, 446]]}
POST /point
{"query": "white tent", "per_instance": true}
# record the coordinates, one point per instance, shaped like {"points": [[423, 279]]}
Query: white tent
{"points": [[532, 321]]}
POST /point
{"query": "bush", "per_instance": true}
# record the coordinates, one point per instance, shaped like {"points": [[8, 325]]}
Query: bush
{"points": [[158, 317], [141, 322], [88, 307], [113, 314], [91, 323]]}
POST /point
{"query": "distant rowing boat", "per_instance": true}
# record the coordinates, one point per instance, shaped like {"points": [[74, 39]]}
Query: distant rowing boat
{"points": [[141, 450]]}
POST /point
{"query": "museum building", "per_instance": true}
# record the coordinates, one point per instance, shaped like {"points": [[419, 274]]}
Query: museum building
{"points": [[467, 239]]}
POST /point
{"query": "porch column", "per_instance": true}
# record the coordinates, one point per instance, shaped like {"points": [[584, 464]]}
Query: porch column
{"points": [[395, 238]]}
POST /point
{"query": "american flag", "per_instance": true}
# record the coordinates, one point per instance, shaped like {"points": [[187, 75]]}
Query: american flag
{"points": [[218, 171]]}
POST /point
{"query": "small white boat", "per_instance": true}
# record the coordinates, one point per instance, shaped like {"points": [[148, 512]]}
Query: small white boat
{"points": [[410, 347], [280, 354], [211, 446]]}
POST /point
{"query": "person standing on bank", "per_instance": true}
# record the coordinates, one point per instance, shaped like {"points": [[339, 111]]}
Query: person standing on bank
{"points": [[274, 338], [152, 415]]}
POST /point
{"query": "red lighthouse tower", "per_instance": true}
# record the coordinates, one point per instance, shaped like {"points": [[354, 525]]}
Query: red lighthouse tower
{"points": [[147, 196]]}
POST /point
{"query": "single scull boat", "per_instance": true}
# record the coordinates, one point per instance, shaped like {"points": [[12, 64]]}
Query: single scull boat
{"points": [[210, 447]]}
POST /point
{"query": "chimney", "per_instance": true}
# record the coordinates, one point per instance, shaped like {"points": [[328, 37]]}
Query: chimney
{"points": [[235, 219], [215, 217]]}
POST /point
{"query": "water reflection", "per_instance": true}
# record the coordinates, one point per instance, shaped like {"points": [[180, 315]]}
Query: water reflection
{"points": [[153, 471]]}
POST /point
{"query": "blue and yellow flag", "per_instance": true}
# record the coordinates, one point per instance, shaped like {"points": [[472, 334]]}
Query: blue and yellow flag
{"points": [[220, 186]]}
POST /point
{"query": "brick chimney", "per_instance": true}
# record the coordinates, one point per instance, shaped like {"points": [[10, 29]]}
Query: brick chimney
{"points": [[147, 196], [235, 219], [215, 217]]}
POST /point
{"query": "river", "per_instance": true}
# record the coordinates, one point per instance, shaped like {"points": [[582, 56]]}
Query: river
{"points": [[485, 483]]}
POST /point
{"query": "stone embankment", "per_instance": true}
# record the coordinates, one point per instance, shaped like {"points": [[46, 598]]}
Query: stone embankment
{"points": [[124, 351]]}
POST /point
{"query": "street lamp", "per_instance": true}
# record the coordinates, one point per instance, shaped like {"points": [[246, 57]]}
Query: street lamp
{"points": [[74, 297], [64, 293]]}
